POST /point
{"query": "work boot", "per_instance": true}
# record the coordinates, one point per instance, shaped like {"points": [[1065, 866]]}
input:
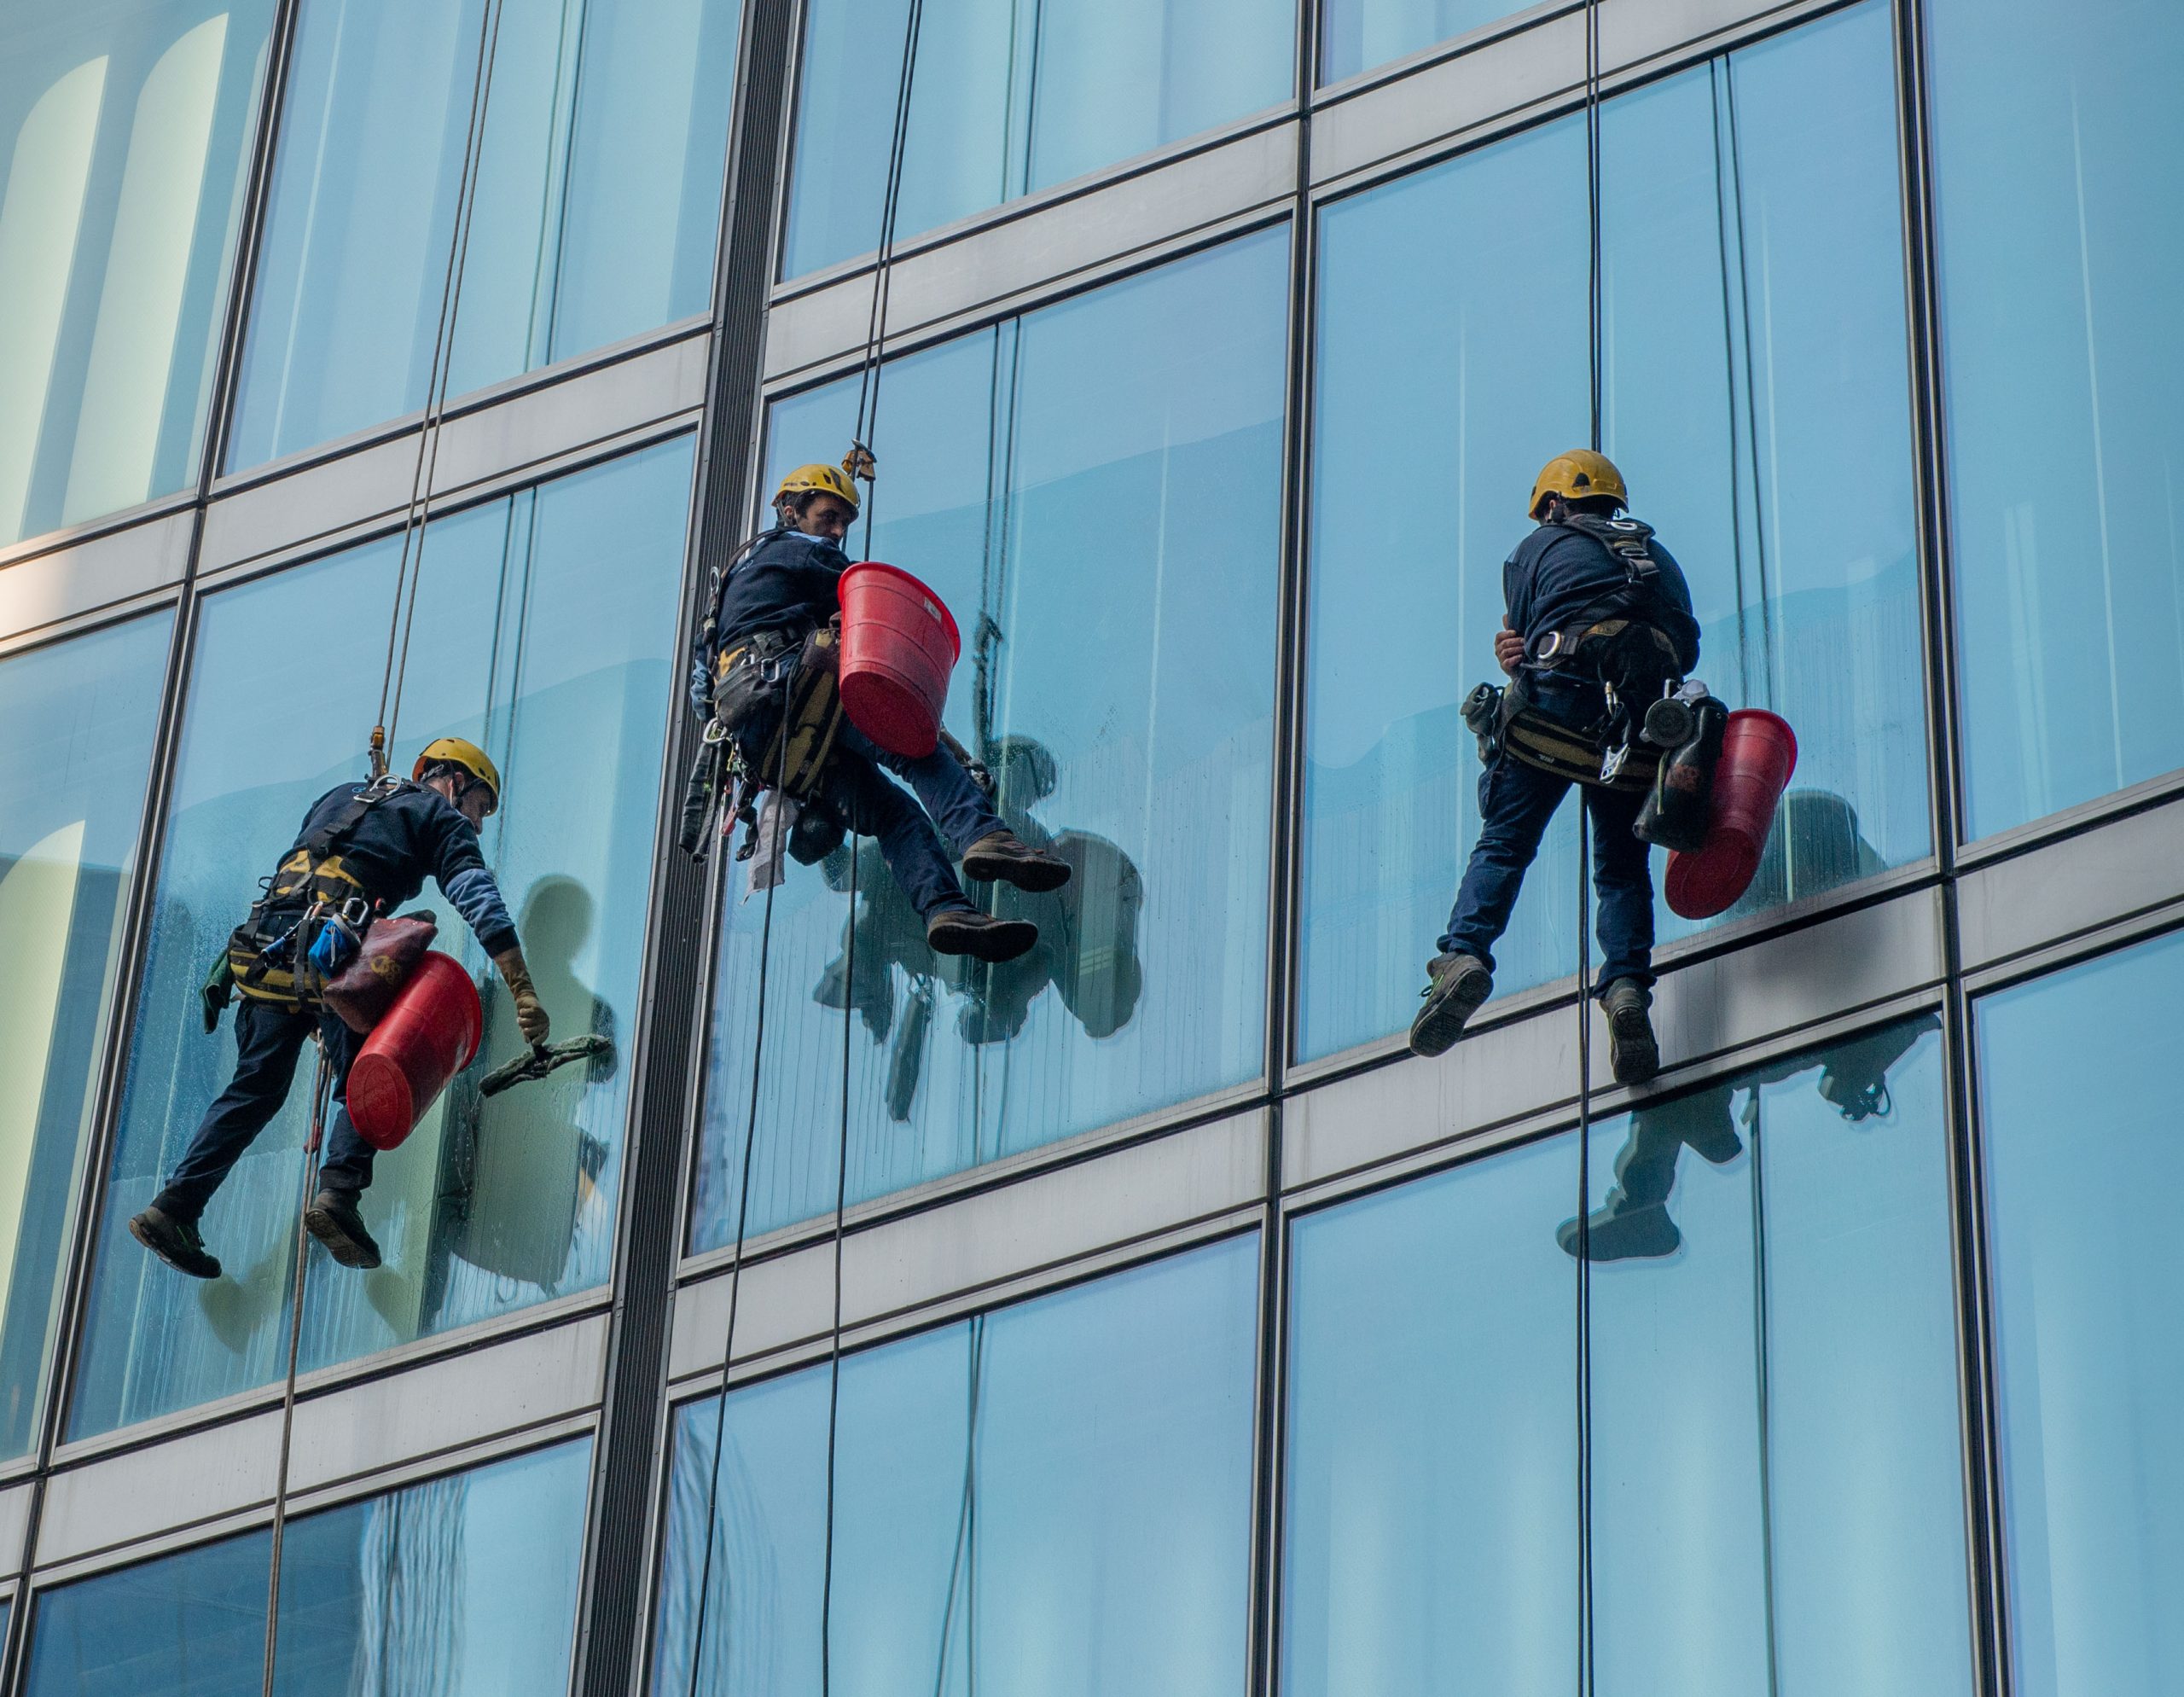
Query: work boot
{"points": [[1004, 856], [966, 931], [1455, 986], [332, 1219], [175, 1242], [1632, 1053], [1644, 1232]]}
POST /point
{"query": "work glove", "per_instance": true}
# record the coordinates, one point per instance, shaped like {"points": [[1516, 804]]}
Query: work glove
{"points": [[529, 1012]]}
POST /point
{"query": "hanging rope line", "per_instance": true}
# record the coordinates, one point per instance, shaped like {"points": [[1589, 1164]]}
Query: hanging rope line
{"points": [[834, 1347], [1587, 1646]]}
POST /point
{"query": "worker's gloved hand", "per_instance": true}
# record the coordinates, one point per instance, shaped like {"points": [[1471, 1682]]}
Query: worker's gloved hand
{"points": [[529, 1012], [1508, 650]]}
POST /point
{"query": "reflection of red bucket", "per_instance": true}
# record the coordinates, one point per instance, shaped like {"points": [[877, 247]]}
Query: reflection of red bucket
{"points": [[429, 1035], [1759, 752], [898, 645]]}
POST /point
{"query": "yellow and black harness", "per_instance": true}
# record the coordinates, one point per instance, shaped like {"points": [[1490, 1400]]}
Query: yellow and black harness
{"points": [[268, 955], [777, 716], [1506, 721]]}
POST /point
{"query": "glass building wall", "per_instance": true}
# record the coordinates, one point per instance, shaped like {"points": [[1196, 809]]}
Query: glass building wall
{"points": [[125, 130]]}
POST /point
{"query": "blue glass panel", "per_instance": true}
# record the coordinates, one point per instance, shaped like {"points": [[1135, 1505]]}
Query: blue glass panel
{"points": [[526, 641], [1355, 35], [1131, 441], [77, 721], [2058, 166], [1053, 1500], [1755, 397], [596, 202], [124, 129], [1009, 96], [2077, 1077], [187, 1625], [1777, 1497], [466, 1585]]}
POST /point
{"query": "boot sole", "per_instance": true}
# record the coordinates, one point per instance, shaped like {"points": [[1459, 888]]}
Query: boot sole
{"points": [[1447, 1010], [1032, 877], [992, 944], [1633, 1052], [209, 1270], [339, 1244]]}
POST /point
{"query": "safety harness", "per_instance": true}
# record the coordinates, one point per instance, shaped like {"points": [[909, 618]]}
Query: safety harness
{"points": [[312, 918]]}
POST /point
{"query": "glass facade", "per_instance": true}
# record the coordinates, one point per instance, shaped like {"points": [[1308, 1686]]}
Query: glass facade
{"points": [[1177, 1330], [586, 209], [1051, 1499], [124, 137], [1034, 460], [561, 670], [1007, 98]]}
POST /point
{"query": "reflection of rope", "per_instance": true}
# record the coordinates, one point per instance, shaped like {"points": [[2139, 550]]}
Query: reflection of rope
{"points": [[322, 1088], [1764, 1388], [967, 1528], [835, 1345]]}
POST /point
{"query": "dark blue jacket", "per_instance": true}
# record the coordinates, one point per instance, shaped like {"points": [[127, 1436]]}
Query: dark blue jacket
{"points": [[415, 833], [787, 582], [1554, 576]]}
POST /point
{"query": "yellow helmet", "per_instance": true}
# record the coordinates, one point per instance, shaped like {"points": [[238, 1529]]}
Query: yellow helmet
{"points": [[818, 480], [453, 751], [1575, 476]]}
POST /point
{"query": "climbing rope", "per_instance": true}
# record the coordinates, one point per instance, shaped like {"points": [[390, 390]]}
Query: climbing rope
{"points": [[834, 1349]]}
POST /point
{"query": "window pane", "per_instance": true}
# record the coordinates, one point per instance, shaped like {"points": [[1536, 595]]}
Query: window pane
{"points": [[76, 722], [1009, 96], [2059, 162], [1777, 1498], [124, 132], [2078, 1107], [1053, 1500], [186, 1625], [1755, 398], [1131, 439], [1355, 35], [597, 204], [466, 1584], [523, 642]]}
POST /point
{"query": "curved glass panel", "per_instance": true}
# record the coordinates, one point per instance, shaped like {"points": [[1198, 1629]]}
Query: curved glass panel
{"points": [[124, 130], [596, 207], [76, 722], [1008, 97], [2058, 167], [1052, 1500], [1355, 35], [1755, 397], [1777, 1496], [2077, 1076], [525, 642], [1095, 492]]}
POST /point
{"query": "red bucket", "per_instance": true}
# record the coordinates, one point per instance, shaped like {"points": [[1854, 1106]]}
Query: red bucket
{"points": [[1759, 750], [429, 1035], [899, 643]]}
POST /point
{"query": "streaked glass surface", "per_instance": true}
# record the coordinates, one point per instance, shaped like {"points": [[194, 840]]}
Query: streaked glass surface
{"points": [[125, 130], [2077, 1093], [1777, 1499], [596, 208], [2059, 169], [1051, 1500], [191, 1624], [1095, 490], [1008, 97], [465, 1585], [1355, 35], [546, 630], [1756, 399], [76, 722]]}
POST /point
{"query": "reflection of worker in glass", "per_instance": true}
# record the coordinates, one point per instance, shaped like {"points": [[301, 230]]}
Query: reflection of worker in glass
{"points": [[1598, 613], [1816, 833], [363, 849], [513, 1174], [1086, 949], [764, 612]]}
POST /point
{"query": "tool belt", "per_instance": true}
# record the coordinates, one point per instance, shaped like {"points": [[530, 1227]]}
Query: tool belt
{"points": [[1507, 723], [748, 699], [311, 922]]}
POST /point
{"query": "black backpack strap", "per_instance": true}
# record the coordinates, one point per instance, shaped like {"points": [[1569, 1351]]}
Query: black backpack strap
{"points": [[335, 833]]}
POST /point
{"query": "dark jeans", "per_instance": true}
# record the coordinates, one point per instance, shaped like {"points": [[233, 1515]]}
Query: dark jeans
{"points": [[267, 1042], [913, 850], [1515, 802]]}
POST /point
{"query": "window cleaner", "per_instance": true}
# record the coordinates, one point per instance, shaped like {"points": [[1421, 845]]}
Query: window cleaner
{"points": [[767, 674], [1599, 642], [364, 849]]}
